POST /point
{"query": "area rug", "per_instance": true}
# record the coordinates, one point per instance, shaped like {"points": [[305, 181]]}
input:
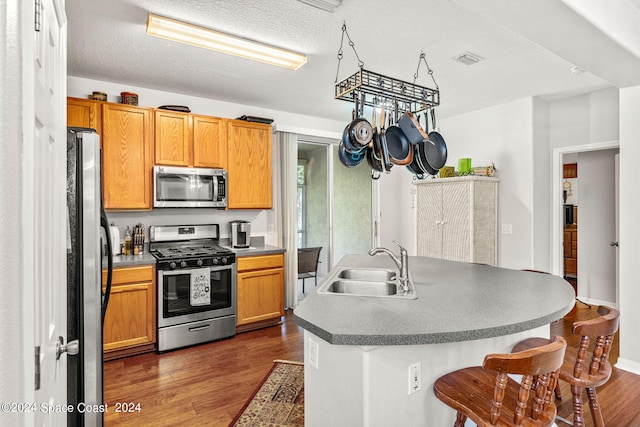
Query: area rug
{"points": [[278, 400]]}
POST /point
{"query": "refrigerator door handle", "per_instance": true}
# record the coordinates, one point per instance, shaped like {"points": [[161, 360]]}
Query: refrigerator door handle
{"points": [[104, 223]]}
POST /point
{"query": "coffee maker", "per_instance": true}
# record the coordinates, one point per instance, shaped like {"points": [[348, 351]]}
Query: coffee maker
{"points": [[240, 234]]}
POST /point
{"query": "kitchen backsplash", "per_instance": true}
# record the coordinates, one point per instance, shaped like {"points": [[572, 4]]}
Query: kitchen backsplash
{"points": [[258, 219]]}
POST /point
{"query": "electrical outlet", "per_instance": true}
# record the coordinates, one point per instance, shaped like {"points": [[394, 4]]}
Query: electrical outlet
{"points": [[415, 377], [507, 229], [313, 353], [271, 228]]}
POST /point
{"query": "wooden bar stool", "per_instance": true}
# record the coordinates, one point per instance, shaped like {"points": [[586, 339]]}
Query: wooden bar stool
{"points": [[488, 396], [585, 367]]}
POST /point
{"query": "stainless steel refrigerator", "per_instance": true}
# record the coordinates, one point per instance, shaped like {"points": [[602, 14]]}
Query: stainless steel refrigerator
{"points": [[86, 301]]}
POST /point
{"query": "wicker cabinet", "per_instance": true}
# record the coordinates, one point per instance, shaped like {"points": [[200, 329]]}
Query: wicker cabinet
{"points": [[249, 165], [127, 156], [260, 291], [130, 321], [457, 219]]}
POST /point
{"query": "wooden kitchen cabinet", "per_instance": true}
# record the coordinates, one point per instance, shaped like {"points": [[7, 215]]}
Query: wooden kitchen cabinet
{"points": [[84, 113], [249, 165], [130, 321], [457, 219], [127, 157], [209, 142], [260, 291], [570, 170], [570, 249], [172, 138], [183, 139]]}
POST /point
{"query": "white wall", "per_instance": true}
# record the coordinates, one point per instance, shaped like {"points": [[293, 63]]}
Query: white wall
{"points": [[502, 135], [629, 229]]}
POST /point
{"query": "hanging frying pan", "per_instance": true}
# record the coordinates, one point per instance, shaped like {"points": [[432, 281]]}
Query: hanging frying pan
{"points": [[435, 147], [420, 157], [383, 147], [350, 159], [398, 145], [374, 162], [411, 128]]}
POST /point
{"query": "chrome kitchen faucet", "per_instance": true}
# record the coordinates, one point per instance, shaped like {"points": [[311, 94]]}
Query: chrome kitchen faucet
{"points": [[402, 263]]}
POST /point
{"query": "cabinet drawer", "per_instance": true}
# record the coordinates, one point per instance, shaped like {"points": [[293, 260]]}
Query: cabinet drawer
{"points": [[130, 274], [260, 262]]}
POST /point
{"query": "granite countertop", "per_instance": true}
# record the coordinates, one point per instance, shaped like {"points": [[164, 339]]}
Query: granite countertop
{"points": [[456, 302], [256, 249], [130, 260]]}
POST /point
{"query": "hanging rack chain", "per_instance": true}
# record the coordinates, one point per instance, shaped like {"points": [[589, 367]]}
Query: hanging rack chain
{"points": [[340, 52], [423, 58]]}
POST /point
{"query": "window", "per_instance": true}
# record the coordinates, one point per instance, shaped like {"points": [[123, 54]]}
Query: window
{"points": [[301, 202]]}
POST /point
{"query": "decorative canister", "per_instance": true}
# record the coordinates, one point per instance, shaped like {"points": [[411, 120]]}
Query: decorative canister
{"points": [[129, 98], [98, 96], [447, 171], [464, 166]]}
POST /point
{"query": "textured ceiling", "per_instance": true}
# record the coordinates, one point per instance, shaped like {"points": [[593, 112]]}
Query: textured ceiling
{"points": [[527, 52]]}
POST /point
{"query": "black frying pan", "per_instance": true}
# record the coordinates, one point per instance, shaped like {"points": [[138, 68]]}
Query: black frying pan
{"points": [[421, 159], [398, 145], [435, 147]]}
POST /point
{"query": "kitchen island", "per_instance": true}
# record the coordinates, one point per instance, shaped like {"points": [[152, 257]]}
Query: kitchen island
{"points": [[360, 352]]}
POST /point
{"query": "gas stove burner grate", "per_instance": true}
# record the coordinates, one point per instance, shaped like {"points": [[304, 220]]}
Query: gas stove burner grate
{"points": [[189, 251]]}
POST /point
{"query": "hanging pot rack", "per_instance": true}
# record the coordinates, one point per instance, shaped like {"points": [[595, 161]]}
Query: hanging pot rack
{"points": [[368, 88]]}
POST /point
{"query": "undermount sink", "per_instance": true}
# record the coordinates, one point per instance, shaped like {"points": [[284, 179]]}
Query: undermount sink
{"points": [[359, 287], [368, 275], [369, 282]]}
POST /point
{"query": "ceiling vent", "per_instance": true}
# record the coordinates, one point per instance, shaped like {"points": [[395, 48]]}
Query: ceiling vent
{"points": [[327, 5], [468, 58]]}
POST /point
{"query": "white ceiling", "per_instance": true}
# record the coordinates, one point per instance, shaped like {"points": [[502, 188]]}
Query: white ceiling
{"points": [[529, 49]]}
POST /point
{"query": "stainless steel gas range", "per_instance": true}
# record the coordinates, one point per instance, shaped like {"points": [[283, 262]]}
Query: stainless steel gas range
{"points": [[196, 285]]}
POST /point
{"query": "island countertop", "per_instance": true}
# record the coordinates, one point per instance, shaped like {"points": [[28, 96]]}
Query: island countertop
{"points": [[456, 302]]}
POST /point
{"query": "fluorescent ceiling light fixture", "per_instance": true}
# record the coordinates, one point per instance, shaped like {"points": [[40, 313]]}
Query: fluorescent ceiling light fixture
{"points": [[182, 32]]}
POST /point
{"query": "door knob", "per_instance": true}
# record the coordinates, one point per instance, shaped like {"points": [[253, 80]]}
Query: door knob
{"points": [[614, 244], [72, 348]]}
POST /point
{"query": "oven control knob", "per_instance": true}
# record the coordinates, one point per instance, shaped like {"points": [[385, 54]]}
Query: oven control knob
{"points": [[183, 264], [199, 262], [215, 261], [172, 265], [224, 260]]}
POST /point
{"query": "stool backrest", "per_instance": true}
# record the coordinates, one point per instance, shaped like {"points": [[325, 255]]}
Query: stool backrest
{"points": [[539, 368], [603, 330]]}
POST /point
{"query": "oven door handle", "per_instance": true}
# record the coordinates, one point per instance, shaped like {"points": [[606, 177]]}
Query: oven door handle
{"points": [[199, 328], [188, 270]]}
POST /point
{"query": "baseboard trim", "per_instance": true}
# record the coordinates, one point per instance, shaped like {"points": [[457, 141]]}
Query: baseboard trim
{"points": [[593, 301], [628, 365]]}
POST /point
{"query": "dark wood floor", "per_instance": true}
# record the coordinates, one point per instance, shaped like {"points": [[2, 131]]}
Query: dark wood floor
{"points": [[207, 385]]}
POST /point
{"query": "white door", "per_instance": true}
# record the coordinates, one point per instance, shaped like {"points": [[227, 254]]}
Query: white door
{"points": [[45, 185]]}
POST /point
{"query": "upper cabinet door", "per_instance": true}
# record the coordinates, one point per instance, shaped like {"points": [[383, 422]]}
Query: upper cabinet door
{"points": [[127, 156], [84, 113], [173, 138], [249, 165], [209, 142]]}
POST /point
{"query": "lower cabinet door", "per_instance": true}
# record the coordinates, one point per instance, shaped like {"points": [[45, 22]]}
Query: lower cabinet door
{"points": [[130, 321], [260, 295]]}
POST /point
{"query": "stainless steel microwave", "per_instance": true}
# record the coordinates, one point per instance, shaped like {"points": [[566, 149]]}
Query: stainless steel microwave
{"points": [[179, 187]]}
